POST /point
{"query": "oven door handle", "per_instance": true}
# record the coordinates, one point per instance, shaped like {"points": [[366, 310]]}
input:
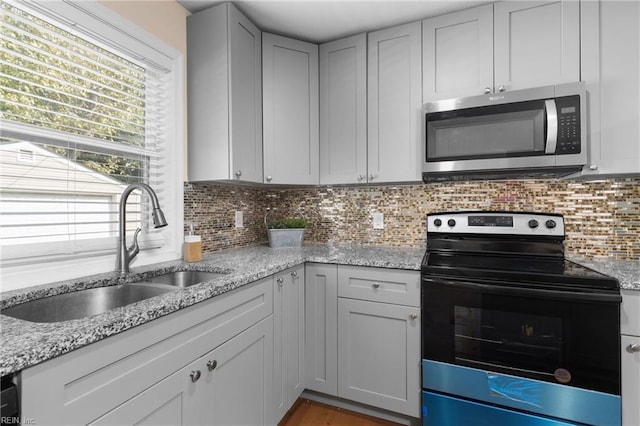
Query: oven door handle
{"points": [[524, 291]]}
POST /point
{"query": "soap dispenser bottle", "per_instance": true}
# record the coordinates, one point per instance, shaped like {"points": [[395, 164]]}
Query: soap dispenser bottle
{"points": [[192, 250]]}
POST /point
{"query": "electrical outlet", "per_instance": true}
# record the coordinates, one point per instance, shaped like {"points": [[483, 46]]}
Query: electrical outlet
{"points": [[378, 221], [239, 219]]}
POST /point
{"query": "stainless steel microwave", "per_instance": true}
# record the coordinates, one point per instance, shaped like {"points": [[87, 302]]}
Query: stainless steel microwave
{"points": [[524, 133]]}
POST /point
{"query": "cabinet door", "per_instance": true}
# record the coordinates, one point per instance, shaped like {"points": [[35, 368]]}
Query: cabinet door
{"points": [[537, 43], [457, 54], [630, 380], [321, 311], [611, 65], [379, 355], [343, 111], [395, 103], [290, 110], [172, 401], [238, 379], [225, 96], [295, 338], [245, 97], [289, 339]]}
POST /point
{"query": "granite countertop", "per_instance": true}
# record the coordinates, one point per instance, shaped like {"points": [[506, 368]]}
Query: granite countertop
{"points": [[626, 271], [24, 344]]}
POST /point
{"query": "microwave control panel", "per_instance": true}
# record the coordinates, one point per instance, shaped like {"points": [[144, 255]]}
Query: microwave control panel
{"points": [[568, 125]]}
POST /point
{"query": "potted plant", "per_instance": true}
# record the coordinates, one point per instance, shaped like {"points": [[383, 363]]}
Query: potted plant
{"points": [[286, 231]]}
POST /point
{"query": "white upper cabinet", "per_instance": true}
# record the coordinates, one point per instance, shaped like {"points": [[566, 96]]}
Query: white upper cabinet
{"points": [[343, 111], [225, 96], [394, 104], [291, 117], [508, 45], [536, 43], [458, 54], [610, 69]]}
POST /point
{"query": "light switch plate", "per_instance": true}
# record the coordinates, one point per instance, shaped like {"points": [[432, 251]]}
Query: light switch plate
{"points": [[239, 219], [378, 220]]}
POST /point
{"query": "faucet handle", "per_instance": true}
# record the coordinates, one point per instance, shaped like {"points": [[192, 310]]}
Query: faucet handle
{"points": [[135, 248]]}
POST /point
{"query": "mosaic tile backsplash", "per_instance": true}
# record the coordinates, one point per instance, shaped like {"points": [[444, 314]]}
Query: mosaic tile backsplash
{"points": [[602, 217]]}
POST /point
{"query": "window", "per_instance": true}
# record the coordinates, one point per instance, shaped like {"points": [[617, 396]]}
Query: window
{"points": [[84, 114]]}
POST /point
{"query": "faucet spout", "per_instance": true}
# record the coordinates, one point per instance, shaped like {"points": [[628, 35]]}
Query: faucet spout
{"points": [[125, 256]]}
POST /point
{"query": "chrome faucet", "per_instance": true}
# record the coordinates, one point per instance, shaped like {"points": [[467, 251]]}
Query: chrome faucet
{"points": [[126, 255]]}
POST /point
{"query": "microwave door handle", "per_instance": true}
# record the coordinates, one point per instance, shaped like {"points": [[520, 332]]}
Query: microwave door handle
{"points": [[552, 126]]}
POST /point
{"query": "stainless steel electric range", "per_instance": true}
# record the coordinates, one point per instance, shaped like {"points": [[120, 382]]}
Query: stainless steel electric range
{"points": [[512, 332]]}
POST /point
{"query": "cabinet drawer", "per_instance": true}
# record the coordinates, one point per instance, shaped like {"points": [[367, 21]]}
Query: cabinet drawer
{"points": [[379, 285], [85, 384]]}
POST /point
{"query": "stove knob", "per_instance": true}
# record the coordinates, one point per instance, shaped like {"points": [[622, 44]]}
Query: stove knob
{"points": [[437, 222], [451, 222], [533, 223], [550, 224]]}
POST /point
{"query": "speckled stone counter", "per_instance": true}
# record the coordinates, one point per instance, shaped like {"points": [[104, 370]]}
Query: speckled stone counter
{"points": [[23, 344], [626, 271]]}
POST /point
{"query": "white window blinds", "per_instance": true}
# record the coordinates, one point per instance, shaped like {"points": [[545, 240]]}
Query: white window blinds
{"points": [[81, 119]]}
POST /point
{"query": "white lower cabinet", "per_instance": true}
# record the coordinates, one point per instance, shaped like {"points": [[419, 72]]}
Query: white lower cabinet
{"points": [[173, 401], [321, 311], [379, 355], [289, 340], [360, 346], [630, 354], [230, 385], [157, 374], [237, 379]]}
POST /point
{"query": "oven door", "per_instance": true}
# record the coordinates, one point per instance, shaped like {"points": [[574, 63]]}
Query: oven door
{"points": [[552, 353], [561, 337]]}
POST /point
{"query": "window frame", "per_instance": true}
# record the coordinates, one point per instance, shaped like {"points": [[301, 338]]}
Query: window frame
{"points": [[19, 271]]}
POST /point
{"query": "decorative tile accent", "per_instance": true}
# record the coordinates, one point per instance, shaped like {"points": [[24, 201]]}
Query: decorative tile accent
{"points": [[602, 217]]}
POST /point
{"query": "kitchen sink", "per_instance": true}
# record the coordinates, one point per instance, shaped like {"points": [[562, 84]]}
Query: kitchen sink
{"points": [[185, 278], [84, 303]]}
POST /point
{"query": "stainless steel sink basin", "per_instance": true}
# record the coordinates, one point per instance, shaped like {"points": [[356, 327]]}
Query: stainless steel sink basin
{"points": [[83, 303], [184, 278]]}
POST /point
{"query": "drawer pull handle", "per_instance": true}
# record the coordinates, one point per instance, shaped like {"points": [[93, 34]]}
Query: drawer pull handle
{"points": [[294, 274], [195, 376], [375, 285], [413, 316], [211, 365], [634, 347], [280, 280]]}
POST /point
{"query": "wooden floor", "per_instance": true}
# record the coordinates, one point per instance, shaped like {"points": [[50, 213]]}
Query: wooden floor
{"points": [[311, 413]]}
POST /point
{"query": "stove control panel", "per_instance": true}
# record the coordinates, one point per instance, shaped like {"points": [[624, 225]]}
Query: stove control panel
{"points": [[496, 223]]}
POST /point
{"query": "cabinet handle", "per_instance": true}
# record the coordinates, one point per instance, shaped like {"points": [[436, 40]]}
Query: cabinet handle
{"points": [[413, 316], [211, 365], [375, 285], [371, 176], [634, 347], [360, 177], [502, 88], [593, 167], [294, 274], [487, 90], [195, 375], [280, 280], [269, 178], [239, 173]]}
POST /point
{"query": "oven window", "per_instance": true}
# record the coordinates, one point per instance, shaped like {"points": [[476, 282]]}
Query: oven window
{"points": [[487, 339], [559, 340]]}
